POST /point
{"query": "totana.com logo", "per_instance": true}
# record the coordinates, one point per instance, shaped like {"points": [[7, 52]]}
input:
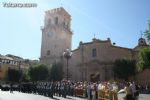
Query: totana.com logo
{"points": [[19, 5]]}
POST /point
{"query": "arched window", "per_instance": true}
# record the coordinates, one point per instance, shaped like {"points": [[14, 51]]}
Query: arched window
{"points": [[56, 20], [49, 21], [94, 52], [48, 52]]}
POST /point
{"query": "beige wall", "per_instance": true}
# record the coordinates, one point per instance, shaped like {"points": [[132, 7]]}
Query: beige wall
{"points": [[106, 54], [4, 69]]}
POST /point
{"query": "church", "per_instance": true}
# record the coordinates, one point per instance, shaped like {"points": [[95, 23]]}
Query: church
{"points": [[91, 60], [95, 59]]}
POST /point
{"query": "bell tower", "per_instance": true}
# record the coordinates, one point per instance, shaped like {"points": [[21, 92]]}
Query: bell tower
{"points": [[56, 35]]}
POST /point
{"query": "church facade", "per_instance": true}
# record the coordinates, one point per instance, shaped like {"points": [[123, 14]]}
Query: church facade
{"points": [[90, 61], [94, 60]]}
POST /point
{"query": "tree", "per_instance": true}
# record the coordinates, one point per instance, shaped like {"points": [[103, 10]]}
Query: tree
{"points": [[56, 72], [144, 59], [123, 68], [147, 33], [13, 75], [38, 72], [25, 76]]}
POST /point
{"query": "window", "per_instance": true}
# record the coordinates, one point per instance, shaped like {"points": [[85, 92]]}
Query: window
{"points": [[11, 62], [68, 25], [48, 52], [49, 22], [142, 42], [0, 68], [0, 60], [94, 53], [56, 20], [64, 23], [8, 62]]}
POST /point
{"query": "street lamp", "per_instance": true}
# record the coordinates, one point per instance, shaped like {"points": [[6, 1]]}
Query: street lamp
{"points": [[67, 54]]}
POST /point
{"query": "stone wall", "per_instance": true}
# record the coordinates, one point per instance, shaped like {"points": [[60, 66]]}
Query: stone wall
{"points": [[143, 77], [83, 64]]}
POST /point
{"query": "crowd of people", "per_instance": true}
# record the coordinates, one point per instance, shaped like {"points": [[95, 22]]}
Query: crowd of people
{"points": [[89, 90]]}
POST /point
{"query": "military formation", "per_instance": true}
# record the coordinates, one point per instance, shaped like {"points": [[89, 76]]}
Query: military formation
{"points": [[53, 88], [49, 89], [89, 90]]}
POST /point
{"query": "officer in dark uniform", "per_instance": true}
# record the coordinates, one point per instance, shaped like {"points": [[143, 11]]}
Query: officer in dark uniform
{"points": [[64, 89], [59, 88], [34, 88], [11, 87], [45, 88], [51, 89]]}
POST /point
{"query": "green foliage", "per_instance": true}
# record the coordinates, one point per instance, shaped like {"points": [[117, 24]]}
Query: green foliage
{"points": [[144, 59], [123, 68], [56, 72], [38, 72], [25, 77], [14, 75], [147, 35]]}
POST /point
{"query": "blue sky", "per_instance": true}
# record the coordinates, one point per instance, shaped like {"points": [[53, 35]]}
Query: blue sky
{"points": [[120, 20]]}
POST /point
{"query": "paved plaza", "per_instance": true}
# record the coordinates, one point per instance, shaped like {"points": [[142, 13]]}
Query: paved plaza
{"points": [[6, 95], [141, 97]]}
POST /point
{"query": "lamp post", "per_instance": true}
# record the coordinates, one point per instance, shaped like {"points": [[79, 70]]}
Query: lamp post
{"points": [[67, 54]]}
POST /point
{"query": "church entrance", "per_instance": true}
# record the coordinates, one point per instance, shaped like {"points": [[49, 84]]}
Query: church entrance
{"points": [[95, 77]]}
